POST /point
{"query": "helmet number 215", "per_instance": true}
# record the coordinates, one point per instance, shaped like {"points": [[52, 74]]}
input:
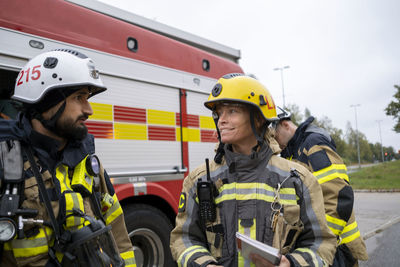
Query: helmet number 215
{"points": [[35, 74]]}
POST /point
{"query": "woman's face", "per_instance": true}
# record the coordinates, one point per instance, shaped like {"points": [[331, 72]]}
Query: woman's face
{"points": [[234, 125]]}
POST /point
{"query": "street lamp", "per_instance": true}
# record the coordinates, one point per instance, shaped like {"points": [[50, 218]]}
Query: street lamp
{"points": [[283, 90], [380, 135], [358, 145]]}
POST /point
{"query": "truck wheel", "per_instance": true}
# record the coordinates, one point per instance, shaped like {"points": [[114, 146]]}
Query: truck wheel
{"points": [[149, 231]]}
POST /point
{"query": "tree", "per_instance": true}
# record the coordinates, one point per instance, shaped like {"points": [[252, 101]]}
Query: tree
{"points": [[295, 111], [393, 109]]}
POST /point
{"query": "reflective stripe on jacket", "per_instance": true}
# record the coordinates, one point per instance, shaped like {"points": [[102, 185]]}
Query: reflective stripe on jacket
{"points": [[246, 189], [314, 148], [56, 174]]}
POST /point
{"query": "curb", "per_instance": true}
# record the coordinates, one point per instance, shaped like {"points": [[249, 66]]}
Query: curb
{"points": [[381, 228], [393, 190]]}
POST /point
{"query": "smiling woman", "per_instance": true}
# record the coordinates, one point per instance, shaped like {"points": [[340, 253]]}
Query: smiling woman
{"points": [[234, 127], [250, 190]]}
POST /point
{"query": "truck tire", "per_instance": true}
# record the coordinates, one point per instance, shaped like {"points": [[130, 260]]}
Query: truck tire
{"points": [[149, 231]]}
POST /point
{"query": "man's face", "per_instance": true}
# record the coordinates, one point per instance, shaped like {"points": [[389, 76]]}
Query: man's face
{"points": [[71, 124], [283, 133]]}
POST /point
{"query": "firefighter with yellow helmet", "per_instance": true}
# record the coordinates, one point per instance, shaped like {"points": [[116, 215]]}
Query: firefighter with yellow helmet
{"points": [[249, 189], [57, 204]]}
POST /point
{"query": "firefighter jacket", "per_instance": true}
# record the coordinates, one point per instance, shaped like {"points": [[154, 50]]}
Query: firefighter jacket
{"points": [[57, 168], [314, 148], [247, 186]]}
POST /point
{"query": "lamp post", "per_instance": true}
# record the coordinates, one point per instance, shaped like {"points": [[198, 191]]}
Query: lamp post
{"points": [[380, 135], [358, 145], [283, 90]]}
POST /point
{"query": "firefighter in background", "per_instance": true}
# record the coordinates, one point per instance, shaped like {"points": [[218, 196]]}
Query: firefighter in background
{"points": [[61, 208], [249, 189], [315, 149]]}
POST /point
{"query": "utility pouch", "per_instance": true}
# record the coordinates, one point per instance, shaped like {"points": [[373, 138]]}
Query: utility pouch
{"points": [[11, 162], [215, 236], [84, 172], [288, 228]]}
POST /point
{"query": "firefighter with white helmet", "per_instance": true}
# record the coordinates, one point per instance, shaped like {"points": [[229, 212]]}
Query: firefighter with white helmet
{"points": [[250, 190], [57, 204]]}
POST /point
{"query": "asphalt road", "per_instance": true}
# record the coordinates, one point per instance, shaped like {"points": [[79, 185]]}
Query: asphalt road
{"points": [[383, 248], [375, 215]]}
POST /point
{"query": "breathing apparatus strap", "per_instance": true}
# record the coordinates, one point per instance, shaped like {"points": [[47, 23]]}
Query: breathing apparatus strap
{"points": [[50, 124], [42, 191], [96, 207]]}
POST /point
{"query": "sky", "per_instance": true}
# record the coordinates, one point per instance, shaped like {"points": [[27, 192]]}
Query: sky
{"points": [[340, 53]]}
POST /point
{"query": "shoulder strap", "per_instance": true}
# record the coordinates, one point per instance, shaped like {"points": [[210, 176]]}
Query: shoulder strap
{"points": [[42, 191]]}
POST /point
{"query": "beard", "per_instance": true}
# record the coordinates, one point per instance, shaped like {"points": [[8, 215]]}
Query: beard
{"points": [[69, 129]]}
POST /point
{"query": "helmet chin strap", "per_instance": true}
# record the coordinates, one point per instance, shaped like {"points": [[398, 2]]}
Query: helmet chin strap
{"points": [[220, 150], [51, 123], [260, 138]]}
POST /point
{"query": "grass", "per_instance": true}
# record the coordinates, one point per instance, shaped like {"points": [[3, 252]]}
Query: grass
{"points": [[382, 176]]}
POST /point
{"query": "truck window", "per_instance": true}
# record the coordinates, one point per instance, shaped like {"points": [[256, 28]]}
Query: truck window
{"points": [[8, 108]]}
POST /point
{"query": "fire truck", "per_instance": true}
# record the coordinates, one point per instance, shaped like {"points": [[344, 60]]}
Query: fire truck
{"points": [[150, 126]]}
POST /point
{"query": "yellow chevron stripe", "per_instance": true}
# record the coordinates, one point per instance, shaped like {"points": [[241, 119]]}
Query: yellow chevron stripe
{"points": [[189, 134], [160, 117], [207, 122], [102, 112], [130, 131]]}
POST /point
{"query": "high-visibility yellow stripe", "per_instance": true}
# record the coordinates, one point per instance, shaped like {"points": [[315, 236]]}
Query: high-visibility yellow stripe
{"points": [[194, 135], [189, 134], [160, 117], [187, 253], [207, 122], [350, 233], [62, 176], [102, 112], [266, 187], [32, 246], [311, 253], [129, 258], [258, 191], [114, 211], [130, 131], [73, 200], [332, 172], [335, 224], [185, 133], [248, 232]]}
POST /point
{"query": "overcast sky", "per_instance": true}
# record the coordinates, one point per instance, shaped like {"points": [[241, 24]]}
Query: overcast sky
{"points": [[340, 53]]}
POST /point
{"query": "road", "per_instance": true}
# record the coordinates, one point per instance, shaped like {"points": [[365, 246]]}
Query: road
{"points": [[378, 211]]}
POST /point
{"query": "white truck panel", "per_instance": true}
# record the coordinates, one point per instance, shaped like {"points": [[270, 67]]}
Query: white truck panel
{"points": [[138, 155]]}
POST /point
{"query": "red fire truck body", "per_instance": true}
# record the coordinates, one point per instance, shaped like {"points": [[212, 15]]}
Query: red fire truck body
{"points": [[150, 126]]}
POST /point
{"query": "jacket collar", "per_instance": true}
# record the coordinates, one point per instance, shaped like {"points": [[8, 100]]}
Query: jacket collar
{"points": [[46, 148], [297, 138], [240, 162]]}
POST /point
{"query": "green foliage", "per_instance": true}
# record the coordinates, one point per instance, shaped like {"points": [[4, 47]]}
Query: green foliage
{"points": [[382, 176], [346, 144], [294, 109], [393, 109]]}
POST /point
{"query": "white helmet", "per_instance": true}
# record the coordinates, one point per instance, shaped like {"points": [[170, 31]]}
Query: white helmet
{"points": [[55, 75]]}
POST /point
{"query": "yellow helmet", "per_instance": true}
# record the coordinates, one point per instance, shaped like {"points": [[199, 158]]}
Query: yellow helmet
{"points": [[237, 87]]}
